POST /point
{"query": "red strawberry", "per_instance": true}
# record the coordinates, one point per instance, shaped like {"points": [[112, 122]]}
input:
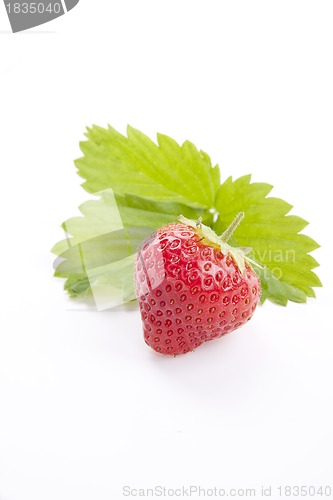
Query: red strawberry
{"points": [[192, 286]]}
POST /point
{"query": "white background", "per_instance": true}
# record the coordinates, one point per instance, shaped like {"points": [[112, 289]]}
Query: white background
{"points": [[85, 406]]}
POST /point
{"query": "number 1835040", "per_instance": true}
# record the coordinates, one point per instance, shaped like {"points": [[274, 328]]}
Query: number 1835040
{"points": [[33, 8]]}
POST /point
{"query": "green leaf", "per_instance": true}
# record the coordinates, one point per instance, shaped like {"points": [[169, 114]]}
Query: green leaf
{"points": [[135, 165], [273, 235], [141, 185]]}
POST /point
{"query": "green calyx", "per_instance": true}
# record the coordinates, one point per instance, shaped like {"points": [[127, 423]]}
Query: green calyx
{"points": [[210, 238]]}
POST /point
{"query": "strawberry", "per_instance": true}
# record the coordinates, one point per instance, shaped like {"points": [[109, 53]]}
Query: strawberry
{"points": [[192, 286]]}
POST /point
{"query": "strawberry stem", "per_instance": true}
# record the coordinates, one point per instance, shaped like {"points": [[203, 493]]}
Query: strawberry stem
{"points": [[235, 223]]}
